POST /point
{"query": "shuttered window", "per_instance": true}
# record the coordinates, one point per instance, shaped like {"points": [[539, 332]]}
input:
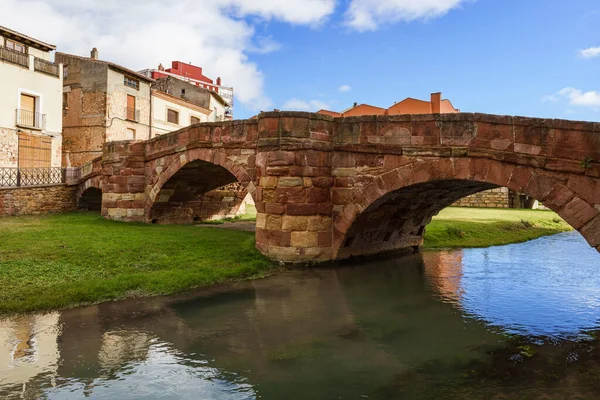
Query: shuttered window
{"points": [[35, 151], [172, 116]]}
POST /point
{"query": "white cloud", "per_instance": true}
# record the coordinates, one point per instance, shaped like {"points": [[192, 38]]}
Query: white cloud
{"points": [[576, 97], [265, 45], [304, 105], [345, 88], [366, 15], [138, 34], [590, 52]]}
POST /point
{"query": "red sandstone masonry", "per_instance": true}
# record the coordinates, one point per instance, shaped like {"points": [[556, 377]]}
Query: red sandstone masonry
{"points": [[332, 188]]}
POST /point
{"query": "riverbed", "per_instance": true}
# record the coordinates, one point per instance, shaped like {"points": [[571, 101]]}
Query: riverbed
{"points": [[518, 321]]}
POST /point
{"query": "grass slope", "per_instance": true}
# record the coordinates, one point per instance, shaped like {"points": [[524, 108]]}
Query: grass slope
{"points": [[480, 227], [64, 260]]}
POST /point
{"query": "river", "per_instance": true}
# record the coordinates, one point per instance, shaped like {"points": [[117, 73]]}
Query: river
{"points": [[510, 322]]}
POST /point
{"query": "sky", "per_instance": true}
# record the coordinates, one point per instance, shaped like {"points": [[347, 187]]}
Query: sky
{"points": [[538, 58]]}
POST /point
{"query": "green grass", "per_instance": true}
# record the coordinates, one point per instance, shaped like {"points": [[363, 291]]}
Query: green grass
{"points": [[59, 261], [63, 260], [480, 227]]}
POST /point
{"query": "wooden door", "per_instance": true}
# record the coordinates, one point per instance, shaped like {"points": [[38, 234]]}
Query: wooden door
{"points": [[27, 110], [131, 107], [35, 151]]}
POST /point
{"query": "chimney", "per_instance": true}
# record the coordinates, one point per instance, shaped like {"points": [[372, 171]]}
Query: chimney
{"points": [[355, 104], [218, 81], [436, 103], [94, 53], [160, 67]]}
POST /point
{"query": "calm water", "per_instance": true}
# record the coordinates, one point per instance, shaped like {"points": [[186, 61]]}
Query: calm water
{"points": [[512, 322]]}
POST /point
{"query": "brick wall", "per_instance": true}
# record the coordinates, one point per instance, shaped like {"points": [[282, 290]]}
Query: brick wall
{"points": [[494, 198], [37, 200]]}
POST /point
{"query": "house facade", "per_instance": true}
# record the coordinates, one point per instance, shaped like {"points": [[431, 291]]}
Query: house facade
{"points": [[193, 74], [194, 94], [30, 104], [102, 102], [171, 113]]}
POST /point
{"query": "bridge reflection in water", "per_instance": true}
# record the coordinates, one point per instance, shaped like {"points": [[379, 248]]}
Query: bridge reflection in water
{"points": [[382, 329]]}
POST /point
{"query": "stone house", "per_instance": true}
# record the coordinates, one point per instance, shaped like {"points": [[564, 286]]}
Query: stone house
{"points": [[102, 102], [30, 110]]}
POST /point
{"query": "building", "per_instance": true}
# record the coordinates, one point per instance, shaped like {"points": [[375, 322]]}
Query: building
{"points": [[102, 102], [194, 94], [435, 105], [170, 113], [105, 102], [30, 103], [194, 75]]}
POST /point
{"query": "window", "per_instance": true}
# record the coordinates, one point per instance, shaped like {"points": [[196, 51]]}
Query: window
{"points": [[15, 46], [183, 92], [65, 71], [132, 83], [65, 100], [130, 111], [172, 116], [130, 134], [27, 115], [194, 120]]}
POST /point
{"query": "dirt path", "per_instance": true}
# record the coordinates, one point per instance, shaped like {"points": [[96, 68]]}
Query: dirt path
{"points": [[248, 226]]}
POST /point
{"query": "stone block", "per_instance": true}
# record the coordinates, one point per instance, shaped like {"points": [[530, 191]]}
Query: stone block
{"points": [[289, 181], [319, 224], [302, 209], [578, 213], [273, 222], [274, 208], [317, 195], [291, 194], [304, 239], [294, 223], [322, 182], [268, 181]]}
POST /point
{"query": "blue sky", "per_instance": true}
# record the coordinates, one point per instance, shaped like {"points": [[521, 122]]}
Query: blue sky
{"points": [[492, 56], [519, 57]]}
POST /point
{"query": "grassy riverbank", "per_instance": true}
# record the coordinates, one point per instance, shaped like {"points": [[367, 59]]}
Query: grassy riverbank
{"points": [[64, 260], [476, 227]]}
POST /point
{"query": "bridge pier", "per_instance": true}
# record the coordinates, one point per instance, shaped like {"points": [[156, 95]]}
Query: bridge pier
{"points": [[293, 198], [124, 181]]}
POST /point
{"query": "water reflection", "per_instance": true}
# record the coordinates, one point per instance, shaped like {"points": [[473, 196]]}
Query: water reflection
{"points": [[431, 324], [547, 287]]}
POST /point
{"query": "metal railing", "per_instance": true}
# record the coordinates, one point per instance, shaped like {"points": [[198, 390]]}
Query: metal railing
{"points": [[18, 177], [30, 119], [46, 67], [15, 57], [132, 114]]}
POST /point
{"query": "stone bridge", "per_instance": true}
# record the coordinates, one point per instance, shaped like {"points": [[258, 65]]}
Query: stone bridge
{"points": [[332, 188]]}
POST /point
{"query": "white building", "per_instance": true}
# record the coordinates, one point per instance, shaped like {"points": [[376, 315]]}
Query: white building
{"points": [[30, 103], [170, 113]]}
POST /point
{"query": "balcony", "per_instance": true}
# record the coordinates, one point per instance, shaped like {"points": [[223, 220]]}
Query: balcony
{"points": [[132, 114], [28, 61], [14, 57], [31, 120], [45, 67]]}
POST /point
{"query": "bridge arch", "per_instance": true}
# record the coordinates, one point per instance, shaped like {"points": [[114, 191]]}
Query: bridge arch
{"points": [[196, 184], [89, 193], [391, 212]]}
